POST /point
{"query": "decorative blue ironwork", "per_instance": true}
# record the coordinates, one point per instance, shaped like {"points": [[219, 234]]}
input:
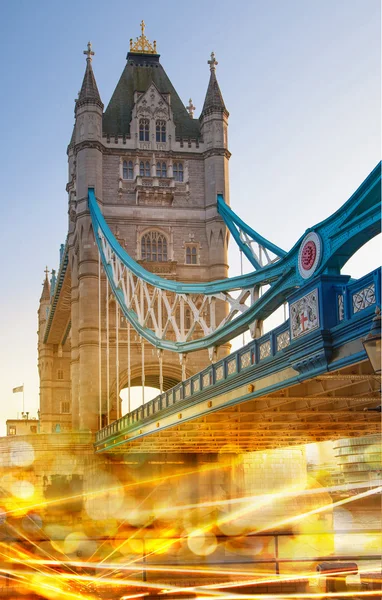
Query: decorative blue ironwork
{"points": [[340, 236], [309, 356], [244, 235]]}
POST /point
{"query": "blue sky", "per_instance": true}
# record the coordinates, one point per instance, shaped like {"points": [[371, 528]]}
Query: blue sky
{"points": [[301, 80]]}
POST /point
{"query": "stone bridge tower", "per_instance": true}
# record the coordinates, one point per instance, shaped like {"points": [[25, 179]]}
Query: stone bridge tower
{"points": [[156, 171]]}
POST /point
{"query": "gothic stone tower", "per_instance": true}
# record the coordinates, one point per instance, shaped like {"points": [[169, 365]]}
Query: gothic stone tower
{"points": [[156, 172]]}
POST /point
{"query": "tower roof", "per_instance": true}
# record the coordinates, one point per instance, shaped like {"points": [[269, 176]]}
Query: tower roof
{"points": [[89, 93], [214, 99], [141, 70]]}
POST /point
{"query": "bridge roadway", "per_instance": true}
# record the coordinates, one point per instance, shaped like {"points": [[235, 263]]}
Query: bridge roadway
{"points": [[285, 388]]}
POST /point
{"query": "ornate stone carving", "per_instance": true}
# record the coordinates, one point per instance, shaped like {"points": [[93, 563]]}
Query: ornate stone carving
{"points": [[304, 314]]}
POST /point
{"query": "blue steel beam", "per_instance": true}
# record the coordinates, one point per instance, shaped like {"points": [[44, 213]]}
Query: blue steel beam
{"points": [[282, 368], [342, 234], [235, 224]]}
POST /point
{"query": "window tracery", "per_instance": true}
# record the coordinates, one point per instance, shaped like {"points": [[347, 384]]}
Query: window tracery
{"points": [[65, 407], [154, 247], [160, 131], [191, 254], [144, 130], [178, 171], [161, 169], [144, 169], [127, 169]]}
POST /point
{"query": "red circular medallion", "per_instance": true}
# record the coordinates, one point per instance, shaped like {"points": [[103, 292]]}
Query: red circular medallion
{"points": [[308, 255]]}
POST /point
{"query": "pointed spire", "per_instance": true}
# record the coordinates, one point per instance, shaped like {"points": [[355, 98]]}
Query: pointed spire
{"points": [[214, 100], [89, 93], [45, 295]]}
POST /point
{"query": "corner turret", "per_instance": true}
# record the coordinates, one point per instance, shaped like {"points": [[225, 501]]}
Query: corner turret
{"points": [[89, 93], [43, 306], [85, 170], [214, 125], [45, 294], [213, 102], [89, 107]]}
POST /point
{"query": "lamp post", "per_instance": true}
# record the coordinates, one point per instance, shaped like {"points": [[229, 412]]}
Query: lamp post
{"points": [[372, 342]]}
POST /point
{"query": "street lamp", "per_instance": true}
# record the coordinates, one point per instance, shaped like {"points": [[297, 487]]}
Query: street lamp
{"points": [[372, 342]]}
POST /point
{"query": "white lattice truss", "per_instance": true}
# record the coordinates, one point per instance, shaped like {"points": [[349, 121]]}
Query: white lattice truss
{"points": [[172, 316], [261, 255]]}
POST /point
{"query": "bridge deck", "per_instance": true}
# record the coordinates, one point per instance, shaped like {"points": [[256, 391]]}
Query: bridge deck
{"points": [[276, 391], [329, 406]]}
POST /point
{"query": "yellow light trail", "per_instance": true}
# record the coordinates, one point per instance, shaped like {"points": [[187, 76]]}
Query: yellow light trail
{"points": [[208, 593], [285, 494], [283, 579], [203, 469], [264, 500], [120, 525], [267, 499], [320, 509], [265, 577], [40, 586], [119, 582], [308, 596], [164, 569]]}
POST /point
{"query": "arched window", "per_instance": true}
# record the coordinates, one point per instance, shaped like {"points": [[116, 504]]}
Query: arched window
{"points": [[147, 169], [161, 169], [144, 130], [178, 171], [154, 247], [161, 131], [191, 255], [128, 171]]}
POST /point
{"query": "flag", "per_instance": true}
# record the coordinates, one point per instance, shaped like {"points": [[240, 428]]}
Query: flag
{"points": [[18, 389]]}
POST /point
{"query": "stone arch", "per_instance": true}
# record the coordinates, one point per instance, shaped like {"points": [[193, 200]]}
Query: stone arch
{"points": [[172, 374]]}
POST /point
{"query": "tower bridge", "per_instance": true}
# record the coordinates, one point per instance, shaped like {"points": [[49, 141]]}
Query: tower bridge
{"points": [[273, 392], [142, 297], [142, 294]]}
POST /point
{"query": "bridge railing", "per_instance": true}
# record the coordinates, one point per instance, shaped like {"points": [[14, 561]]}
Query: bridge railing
{"points": [[358, 295], [352, 298]]}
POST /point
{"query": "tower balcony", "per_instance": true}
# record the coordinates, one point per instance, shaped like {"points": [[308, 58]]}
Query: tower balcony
{"points": [[154, 190]]}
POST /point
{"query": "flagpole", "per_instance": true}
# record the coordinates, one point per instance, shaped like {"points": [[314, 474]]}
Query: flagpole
{"points": [[23, 400]]}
